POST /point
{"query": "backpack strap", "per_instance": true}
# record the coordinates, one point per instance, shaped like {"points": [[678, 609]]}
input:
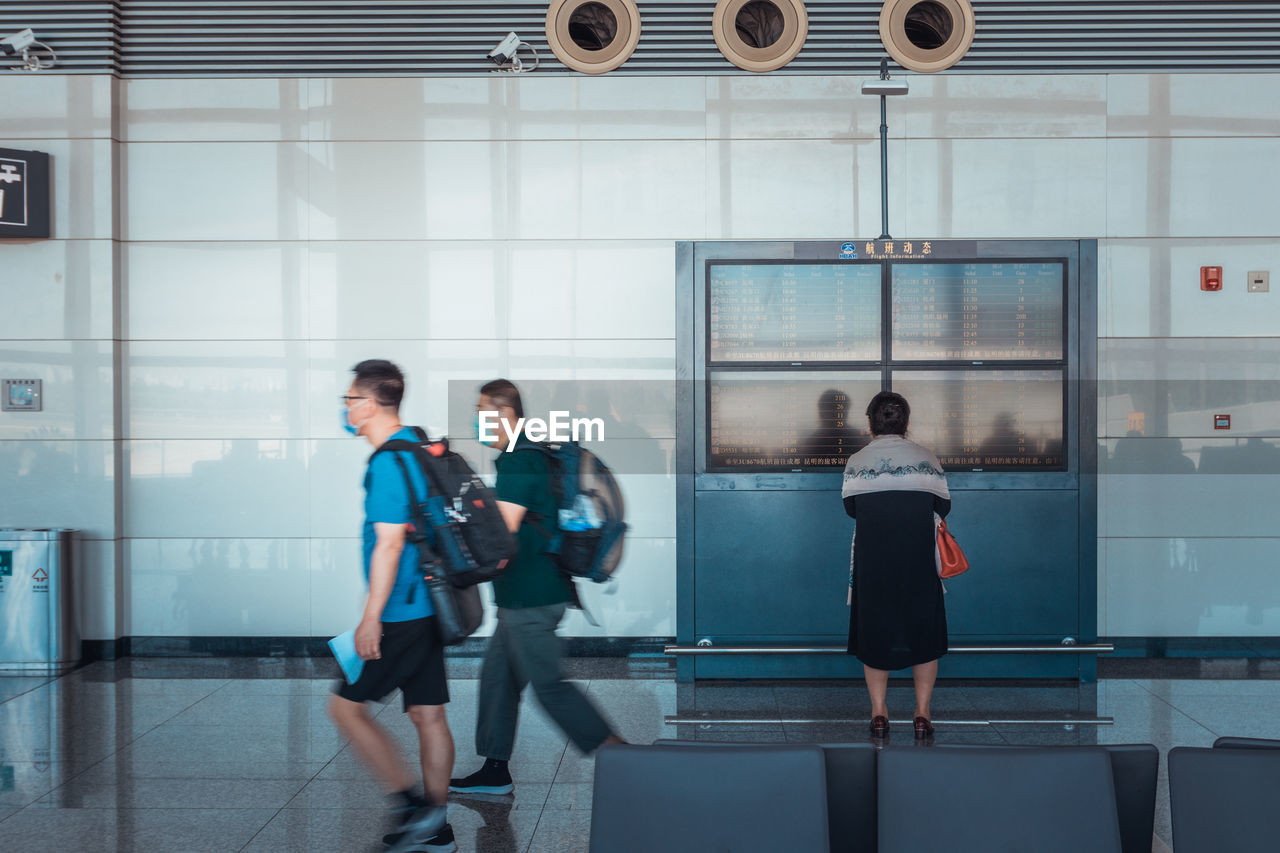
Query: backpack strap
{"points": [[418, 533]]}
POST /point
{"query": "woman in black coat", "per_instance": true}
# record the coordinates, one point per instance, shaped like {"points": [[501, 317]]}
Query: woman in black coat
{"points": [[897, 618]]}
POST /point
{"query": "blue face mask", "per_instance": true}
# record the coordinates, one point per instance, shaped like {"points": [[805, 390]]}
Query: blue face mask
{"points": [[495, 430], [346, 422]]}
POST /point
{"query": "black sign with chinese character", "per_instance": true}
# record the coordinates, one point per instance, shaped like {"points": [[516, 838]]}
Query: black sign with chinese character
{"points": [[24, 193]]}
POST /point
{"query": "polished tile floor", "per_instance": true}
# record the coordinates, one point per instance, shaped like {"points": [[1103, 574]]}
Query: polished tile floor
{"points": [[236, 754]]}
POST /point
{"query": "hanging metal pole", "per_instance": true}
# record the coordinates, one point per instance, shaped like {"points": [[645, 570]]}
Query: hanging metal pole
{"points": [[884, 157]]}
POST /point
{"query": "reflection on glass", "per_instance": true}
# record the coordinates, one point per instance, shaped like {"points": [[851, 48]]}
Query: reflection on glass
{"points": [[794, 312], [787, 421], [977, 311], [989, 420]]}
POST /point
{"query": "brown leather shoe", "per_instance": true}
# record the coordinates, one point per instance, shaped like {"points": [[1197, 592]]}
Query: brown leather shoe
{"points": [[879, 726], [923, 727]]}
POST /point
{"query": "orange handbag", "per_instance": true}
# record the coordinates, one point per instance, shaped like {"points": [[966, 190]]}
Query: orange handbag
{"points": [[951, 560]]}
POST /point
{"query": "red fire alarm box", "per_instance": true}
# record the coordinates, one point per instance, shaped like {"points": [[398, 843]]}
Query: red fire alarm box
{"points": [[1222, 421], [1211, 278]]}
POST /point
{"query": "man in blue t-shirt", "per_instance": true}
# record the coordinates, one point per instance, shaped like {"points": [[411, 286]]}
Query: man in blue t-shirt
{"points": [[397, 636]]}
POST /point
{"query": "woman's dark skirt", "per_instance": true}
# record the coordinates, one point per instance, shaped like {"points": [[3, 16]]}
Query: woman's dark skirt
{"points": [[897, 618]]}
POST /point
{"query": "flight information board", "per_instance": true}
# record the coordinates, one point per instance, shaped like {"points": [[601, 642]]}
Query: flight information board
{"points": [[793, 312], [987, 420], [978, 311], [786, 420]]}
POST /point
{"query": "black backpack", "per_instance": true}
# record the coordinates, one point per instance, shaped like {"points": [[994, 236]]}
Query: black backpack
{"points": [[471, 541], [585, 539]]}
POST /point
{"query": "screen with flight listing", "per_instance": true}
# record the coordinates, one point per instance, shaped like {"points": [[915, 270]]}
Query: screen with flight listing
{"points": [[797, 348]]}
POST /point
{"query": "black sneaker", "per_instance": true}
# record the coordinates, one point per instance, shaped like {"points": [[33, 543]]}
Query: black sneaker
{"points": [[420, 828], [493, 778], [441, 842]]}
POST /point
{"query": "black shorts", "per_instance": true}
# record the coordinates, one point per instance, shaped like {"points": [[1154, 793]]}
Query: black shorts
{"points": [[412, 661]]}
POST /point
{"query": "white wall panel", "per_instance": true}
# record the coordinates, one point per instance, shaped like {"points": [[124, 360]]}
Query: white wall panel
{"points": [[216, 389], [337, 586], [214, 110], [456, 371], [389, 290], [534, 107], [56, 106], [1152, 287], [214, 290], [770, 107], [407, 190], [762, 189], [1159, 187], [215, 191], [57, 289], [628, 189], [335, 485], [1157, 105], [219, 587], [943, 106], [998, 106], [58, 484], [625, 290], [232, 488], [970, 188], [621, 108], [1198, 505], [1192, 587], [77, 383]]}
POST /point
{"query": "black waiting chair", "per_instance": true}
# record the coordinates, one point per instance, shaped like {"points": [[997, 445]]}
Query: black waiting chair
{"points": [[1224, 799], [1134, 771], [709, 798], [851, 793], [1245, 743], [979, 800]]}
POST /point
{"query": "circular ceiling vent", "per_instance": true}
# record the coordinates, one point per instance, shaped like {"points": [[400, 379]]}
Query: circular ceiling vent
{"points": [[927, 35], [760, 35], [593, 36]]}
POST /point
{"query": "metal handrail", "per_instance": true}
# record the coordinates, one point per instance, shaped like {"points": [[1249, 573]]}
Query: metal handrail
{"points": [[680, 720], [1024, 649]]}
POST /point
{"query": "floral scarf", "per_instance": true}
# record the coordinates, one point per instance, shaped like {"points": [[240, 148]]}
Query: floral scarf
{"points": [[891, 463]]}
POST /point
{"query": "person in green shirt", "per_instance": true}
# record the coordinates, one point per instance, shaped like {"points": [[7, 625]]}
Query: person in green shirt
{"points": [[532, 596]]}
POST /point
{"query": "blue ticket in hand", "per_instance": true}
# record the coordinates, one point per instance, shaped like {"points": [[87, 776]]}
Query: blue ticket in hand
{"points": [[343, 647]]}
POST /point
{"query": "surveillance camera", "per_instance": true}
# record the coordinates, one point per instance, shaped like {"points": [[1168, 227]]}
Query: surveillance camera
{"points": [[506, 50], [17, 42], [884, 87]]}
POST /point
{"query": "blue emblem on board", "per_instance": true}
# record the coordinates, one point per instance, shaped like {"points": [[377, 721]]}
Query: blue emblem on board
{"points": [[848, 250]]}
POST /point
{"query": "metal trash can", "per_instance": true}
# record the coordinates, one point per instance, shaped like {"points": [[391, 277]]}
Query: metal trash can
{"points": [[39, 624]]}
